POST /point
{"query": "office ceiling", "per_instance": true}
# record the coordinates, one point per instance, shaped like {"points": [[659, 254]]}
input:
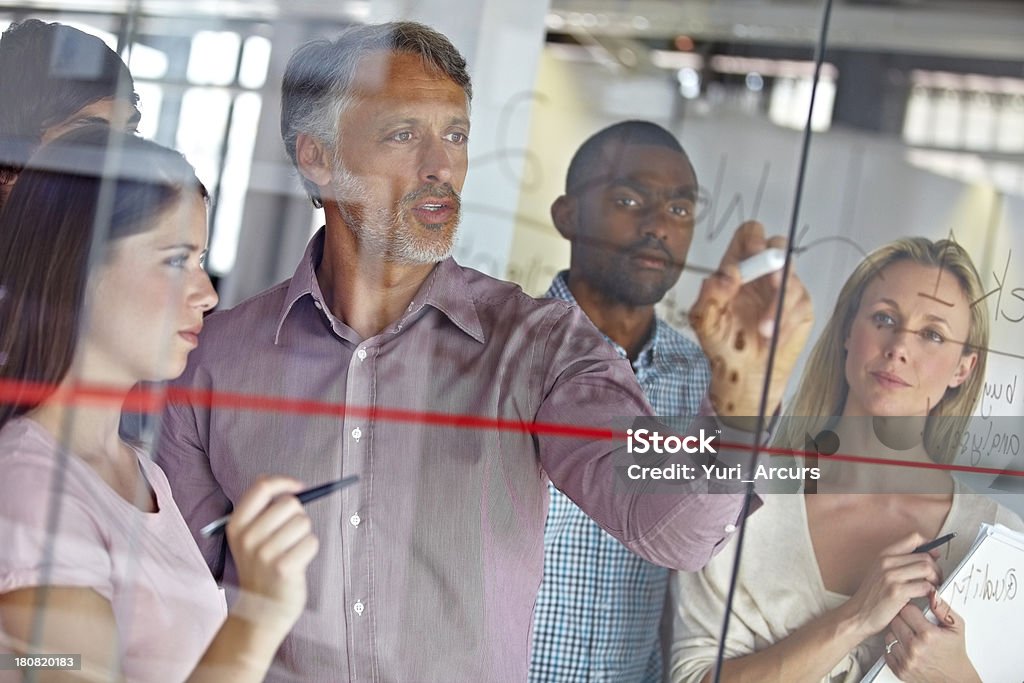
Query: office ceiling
{"points": [[991, 29]]}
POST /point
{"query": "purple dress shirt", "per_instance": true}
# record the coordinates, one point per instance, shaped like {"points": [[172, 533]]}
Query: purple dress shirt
{"points": [[429, 567]]}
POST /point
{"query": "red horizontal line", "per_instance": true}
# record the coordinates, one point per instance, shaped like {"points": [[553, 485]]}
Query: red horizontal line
{"points": [[894, 463], [150, 400]]}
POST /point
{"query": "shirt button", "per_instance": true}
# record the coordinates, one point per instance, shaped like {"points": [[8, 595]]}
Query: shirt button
{"points": [[319, 305], [358, 607], [411, 304], [361, 354], [354, 520], [729, 528], [357, 433]]}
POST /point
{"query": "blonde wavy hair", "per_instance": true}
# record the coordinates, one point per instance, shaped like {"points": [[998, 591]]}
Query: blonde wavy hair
{"points": [[823, 388]]}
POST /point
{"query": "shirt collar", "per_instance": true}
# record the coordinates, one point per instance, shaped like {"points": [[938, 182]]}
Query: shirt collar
{"points": [[560, 290], [303, 281], [449, 290], [446, 288]]}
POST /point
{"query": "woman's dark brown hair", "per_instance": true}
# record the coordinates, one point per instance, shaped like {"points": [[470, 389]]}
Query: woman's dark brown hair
{"points": [[48, 71], [78, 194]]}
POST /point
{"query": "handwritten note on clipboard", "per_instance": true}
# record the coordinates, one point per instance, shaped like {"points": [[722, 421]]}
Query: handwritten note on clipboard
{"points": [[985, 589]]}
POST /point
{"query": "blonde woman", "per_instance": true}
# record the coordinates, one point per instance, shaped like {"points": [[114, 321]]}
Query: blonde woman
{"points": [[826, 580]]}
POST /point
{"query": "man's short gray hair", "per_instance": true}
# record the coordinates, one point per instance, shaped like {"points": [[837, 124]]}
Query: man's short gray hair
{"points": [[318, 79]]}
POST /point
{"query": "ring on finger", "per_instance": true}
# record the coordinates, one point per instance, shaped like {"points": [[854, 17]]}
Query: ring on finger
{"points": [[890, 646]]}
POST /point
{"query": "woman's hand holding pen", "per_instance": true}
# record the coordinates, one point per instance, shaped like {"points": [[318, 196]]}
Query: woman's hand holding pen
{"points": [[272, 543], [929, 653], [897, 576]]}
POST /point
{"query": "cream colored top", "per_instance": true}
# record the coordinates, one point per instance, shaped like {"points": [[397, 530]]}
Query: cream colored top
{"points": [[780, 587]]}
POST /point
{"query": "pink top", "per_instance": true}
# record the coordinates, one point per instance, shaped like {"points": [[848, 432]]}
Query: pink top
{"points": [[166, 603]]}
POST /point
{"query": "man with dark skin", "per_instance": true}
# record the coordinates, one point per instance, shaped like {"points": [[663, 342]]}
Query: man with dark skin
{"points": [[628, 211]]}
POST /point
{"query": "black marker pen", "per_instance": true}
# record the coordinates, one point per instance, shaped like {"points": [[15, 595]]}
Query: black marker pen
{"points": [[931, 545], [309, 495]]}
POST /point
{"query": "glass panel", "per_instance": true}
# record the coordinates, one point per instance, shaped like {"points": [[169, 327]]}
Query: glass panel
{"points": [[905, 393], [255, 59], [907, 122], [146, 62], [150, 101], [231, 198], [204, 118], [214, 57]]}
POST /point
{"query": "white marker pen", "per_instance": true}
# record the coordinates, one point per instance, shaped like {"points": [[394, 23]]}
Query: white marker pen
{"points": [[761, 264]]}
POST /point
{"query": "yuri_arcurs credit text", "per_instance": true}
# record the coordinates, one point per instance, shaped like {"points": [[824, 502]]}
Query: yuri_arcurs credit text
{"points": [[646, 441]]}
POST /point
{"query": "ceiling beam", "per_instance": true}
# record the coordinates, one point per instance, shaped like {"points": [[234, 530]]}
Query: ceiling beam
{"points": [[981, 30]]}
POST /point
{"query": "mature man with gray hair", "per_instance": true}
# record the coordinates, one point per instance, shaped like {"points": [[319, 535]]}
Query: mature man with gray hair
{"points": [[452, 395]]}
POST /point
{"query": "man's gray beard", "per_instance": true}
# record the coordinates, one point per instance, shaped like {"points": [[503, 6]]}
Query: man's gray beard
{"points": [[384, 231]]}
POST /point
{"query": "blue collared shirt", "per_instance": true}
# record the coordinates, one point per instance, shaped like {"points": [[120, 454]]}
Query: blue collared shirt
{"points": [[599, 607]]}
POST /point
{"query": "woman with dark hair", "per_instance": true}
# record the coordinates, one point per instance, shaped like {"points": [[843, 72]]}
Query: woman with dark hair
{"points": [[101, 251], [54, 78], [826, 580]]}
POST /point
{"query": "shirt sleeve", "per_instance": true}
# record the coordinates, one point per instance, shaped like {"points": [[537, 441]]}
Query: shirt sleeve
{"points": [[679, 525], [181, 452], [50, 535]]}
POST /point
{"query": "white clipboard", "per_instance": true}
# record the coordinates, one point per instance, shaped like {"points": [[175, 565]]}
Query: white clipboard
{"points": [[987, 590]]}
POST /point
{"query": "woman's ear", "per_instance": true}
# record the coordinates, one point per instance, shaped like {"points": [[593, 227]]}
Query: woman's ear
{"points": [[312, 159], [964, 369]]}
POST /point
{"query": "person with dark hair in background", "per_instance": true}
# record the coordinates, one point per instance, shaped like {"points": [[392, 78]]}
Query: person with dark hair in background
{"points": [[628, 210], [54, 78], [101, 250], [430, 569]]}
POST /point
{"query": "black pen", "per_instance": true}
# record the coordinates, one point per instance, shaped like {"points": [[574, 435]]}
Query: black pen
{"points": [[931, 545], [309, 495]]}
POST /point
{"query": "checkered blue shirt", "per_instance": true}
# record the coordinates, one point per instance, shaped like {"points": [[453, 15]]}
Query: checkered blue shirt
{"points": [[599, 607]]}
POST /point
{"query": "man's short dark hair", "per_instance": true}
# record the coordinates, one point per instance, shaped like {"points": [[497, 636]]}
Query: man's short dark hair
{"points": [[634, 132], [47, 73], [317, 81]]}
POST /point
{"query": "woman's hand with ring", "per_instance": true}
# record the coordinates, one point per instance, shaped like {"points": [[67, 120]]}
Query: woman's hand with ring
{"points": [[919, 651]]}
